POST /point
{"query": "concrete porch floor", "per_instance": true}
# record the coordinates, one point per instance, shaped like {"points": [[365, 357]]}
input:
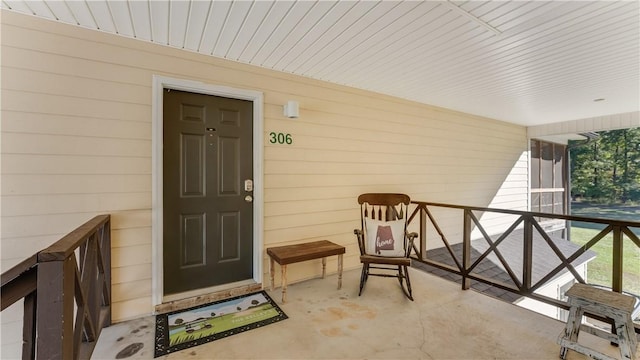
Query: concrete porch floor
{"points": [[444, 322]]}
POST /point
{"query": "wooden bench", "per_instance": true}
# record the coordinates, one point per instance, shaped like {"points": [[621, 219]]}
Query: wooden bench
{"points": [[290, 254], [618, 307]]}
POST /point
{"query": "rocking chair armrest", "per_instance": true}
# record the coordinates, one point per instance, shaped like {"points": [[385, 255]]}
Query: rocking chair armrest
{"points": [[360, 235], [411, 237]]}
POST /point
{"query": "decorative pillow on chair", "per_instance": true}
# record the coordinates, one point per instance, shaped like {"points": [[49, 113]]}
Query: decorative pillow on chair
{"points": [[385, 238]]}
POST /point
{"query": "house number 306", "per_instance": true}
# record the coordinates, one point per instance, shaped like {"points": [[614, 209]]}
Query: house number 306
{"points": [[280, 138]]}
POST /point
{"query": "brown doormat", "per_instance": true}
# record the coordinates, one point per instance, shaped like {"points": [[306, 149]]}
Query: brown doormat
{"points": [[179, 330]]}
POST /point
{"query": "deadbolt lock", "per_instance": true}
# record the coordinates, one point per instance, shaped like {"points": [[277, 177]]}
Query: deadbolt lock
{"points": [[248, 185]]}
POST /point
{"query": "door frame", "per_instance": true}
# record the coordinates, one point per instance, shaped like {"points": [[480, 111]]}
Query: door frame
{"points": [[159, 84]]}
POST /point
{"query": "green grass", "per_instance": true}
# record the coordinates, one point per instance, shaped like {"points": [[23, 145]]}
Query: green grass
{"points": [[599, 270], [607, 211]]}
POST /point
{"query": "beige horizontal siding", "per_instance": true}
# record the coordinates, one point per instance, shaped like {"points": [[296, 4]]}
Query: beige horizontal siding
{"points": [[76, 142], [25, 205]]}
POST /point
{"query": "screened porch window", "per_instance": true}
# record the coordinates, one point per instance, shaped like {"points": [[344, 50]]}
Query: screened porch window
{"points": [[547, 177]]}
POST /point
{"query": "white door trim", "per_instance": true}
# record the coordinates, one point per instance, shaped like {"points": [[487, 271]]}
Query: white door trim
{"points": [[159, 84]]}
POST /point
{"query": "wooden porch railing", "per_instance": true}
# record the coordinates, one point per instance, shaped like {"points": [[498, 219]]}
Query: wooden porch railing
{"points": [[67, 293], [522, 282]]}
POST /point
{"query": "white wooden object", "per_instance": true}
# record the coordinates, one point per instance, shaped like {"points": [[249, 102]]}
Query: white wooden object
{"points": [[618, 307]]}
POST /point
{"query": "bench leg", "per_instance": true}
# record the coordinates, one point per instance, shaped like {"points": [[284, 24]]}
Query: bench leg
{"points": [[572, 329], [625, 340], [284, 283], [324, 267], [272, 272], [632, 333], [339, 271]]}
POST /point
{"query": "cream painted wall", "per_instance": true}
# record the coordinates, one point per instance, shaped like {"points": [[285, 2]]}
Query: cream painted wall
{"points": [[76, 142]]}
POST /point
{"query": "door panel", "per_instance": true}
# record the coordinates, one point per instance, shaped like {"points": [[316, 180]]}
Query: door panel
{"points": [[193, 243], [229, 230], [229, 175], [208, 154], [192, 165]]}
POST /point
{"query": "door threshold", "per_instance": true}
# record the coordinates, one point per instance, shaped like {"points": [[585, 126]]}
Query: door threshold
{"points": [[193, 298]]}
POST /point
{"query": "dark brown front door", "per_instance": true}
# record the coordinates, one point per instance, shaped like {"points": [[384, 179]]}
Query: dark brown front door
{"points": [[207, 189]]}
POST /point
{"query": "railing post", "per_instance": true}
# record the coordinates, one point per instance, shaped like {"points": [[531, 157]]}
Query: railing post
{"points": [[93, 289], [29, 327], [466, 250], [55, 309], [104, 244], [527, 254], [616, 277], [423, 232]]}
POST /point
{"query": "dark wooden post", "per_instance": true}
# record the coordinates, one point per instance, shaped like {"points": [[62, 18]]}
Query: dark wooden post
{"points": [[423, 231], [527, 254], [29, 327], [105, 250], [92, 287], [55, 309], [617, 270], [466, 249]]}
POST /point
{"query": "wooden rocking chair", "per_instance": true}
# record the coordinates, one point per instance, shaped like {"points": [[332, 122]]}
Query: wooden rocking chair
{"points": [[383, 239]]}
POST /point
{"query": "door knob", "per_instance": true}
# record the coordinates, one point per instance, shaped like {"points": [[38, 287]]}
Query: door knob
{"points": [[248, 198]]}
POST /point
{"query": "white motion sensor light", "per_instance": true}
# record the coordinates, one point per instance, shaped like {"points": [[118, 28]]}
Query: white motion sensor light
{"points": [[291, 109]]}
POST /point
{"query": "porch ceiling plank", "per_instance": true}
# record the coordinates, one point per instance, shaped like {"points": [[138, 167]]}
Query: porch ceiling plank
{"points": [[442, 53], [294, 16], [307, 26], [526, 11], [39, 8], [20, 6], [179, 17], [159, 17], [234, 22], [376, 19], [249, 29], [298, 53], [545, 18], [524, 62], [558, 59], [499, 11], [506, 55], [341, 25], [379, 23], [141, 19], [199, 13], [487, 7], [102, 15], [387, 43], [62, 12], [271, 17], [82, 13], [213, 27]]}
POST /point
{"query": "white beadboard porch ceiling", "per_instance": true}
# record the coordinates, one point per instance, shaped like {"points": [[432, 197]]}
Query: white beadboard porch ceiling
{"points": [[525, 62]]}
